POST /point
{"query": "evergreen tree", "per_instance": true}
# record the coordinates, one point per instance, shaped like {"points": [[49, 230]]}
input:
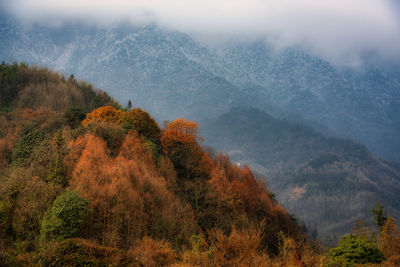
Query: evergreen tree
{"points": [[355, 250], [73, 116], [65, 218], [379, 217]]}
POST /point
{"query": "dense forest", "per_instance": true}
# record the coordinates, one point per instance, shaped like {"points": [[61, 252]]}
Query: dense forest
{"points": [[85, 181]]}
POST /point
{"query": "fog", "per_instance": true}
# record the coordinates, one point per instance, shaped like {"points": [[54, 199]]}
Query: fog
{"points": [[340, 31]]}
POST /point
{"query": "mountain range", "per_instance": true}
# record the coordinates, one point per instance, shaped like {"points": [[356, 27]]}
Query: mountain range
{"points": [[172, 73], [298, 111]]}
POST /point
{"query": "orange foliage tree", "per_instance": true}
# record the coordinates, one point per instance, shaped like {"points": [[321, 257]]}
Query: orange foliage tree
{"points": [[179, 143], [129, 200], [135, 119], [180, 131], [189, 128], [102, 114], [390, 240]]}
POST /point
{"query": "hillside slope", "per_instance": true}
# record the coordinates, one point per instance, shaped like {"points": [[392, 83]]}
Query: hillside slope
{"points": [[312, 174], [84, 182]]}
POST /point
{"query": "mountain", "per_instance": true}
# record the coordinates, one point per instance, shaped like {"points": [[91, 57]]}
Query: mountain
{"points": [[172, 74], [329, 183], [146, 65]]}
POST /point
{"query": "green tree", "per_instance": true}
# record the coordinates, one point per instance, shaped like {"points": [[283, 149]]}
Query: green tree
{"points": [[65, 218], [355, 250], [142, 122], [56, 172], [24, 146], [73, 116], [379, 217]]}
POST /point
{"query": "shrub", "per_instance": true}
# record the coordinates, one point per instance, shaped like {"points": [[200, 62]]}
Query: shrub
{"points": [[355, 250], [65, 217], [153, 253], [81, 252], [201, 254], [240, 248]]}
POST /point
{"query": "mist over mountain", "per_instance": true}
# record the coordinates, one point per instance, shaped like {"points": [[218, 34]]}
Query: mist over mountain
{"points": [[337, 30], [167, 72]]}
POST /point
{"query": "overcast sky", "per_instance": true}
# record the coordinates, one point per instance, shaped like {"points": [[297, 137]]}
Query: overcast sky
{"points": [[338, 30]]}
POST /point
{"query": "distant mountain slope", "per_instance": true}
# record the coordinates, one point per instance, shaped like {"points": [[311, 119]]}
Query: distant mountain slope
{"points": [[146, 65], [171, 73], [329, 183], [361, 104]]}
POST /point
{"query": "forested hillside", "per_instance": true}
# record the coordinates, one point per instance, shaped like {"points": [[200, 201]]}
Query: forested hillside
{"points": [[85, 182], [311, 173]]}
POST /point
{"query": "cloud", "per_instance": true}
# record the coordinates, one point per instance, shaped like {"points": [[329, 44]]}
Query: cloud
{"points": [[338, 30]]}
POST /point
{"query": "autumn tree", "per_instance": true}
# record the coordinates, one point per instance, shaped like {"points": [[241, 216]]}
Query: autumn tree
{"points": [[179, 143], [390, 239], [129, 199], [102, 114], [150, 252], [188, 128], [239, 248], [136, 119], [299, 252]]}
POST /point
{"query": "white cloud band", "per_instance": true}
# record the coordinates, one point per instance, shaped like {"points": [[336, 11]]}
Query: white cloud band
{"points": [[339, 30]]}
